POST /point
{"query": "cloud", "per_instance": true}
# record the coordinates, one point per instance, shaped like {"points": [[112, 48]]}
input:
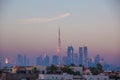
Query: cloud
{"points": [[41, 20]]}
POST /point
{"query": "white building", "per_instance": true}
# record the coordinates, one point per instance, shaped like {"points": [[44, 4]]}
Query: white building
{"points": [[95, 77], [77, 69], [23, 69], [42, 69], [55, 77]]}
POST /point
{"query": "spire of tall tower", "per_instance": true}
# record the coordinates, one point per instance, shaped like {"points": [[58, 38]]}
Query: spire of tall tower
{"points": [[59, 47], [59, 41]]}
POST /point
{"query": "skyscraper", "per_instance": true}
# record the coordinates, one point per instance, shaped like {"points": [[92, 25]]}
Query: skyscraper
{"points": [[80, 56], [65, 60], [76, 59], [59, 48], [97, 59], [55, 60], [85, 56], [90, 62], [20, 61], [39, 60], [46, 60], [2, 62], [70, 54], [25, 61]]}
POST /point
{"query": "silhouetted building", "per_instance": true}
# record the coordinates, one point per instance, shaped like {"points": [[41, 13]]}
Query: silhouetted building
{"points": [[97, 59], [85, 56], [2, 62], [70, 54], [46, 61], [90, 62], [76, 59], [26, 61], [39, 60], [65, 60], [12, 76], [55, 60], [20, 60], [80, 56]]}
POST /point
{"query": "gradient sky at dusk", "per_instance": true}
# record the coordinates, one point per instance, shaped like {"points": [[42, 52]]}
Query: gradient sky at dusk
{"points": [[31, 26]]}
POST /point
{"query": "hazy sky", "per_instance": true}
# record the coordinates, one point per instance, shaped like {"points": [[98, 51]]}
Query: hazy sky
{"points": [[31, 26]]}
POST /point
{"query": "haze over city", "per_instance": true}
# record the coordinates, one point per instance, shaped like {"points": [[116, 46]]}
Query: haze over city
{"points": [[31, 27]]}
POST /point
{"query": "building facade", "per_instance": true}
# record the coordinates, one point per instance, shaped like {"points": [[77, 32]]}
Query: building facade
{"points": [[80, 56], [70, 54], [85, 56]]}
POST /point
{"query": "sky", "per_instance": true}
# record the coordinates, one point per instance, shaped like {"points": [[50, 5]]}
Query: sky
{"points": [[31, 27]]}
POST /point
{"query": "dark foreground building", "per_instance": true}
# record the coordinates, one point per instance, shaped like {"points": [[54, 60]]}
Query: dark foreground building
{"points": [[14, 76]]}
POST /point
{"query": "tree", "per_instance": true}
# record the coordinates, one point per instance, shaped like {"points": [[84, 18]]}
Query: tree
{"points": [[99, 68], [93, 70], [52, 69], [96, 70], [35, 70], [72, 65], [66, 69]]}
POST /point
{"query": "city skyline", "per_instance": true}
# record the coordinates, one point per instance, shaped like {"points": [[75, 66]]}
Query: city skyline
{"points": [[71, 58], [31, 27]]}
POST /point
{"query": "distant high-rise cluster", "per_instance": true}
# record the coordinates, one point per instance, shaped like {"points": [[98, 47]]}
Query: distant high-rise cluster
{"points": [[22, 60], [39, 60], [42, 60], [71, 58], [74, 58]]}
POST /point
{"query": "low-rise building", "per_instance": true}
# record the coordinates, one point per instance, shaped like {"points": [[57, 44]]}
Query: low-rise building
{"points": [[15, 76], [77, 69], [95, 77], [64, 76], [7, 69], [87, 71], [78, 77], [42, 69], [22, 69]]}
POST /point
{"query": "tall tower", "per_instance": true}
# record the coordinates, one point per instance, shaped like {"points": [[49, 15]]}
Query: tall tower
{"points": [[85, 56], [70, 54], [59, 47], [80, 55]]}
